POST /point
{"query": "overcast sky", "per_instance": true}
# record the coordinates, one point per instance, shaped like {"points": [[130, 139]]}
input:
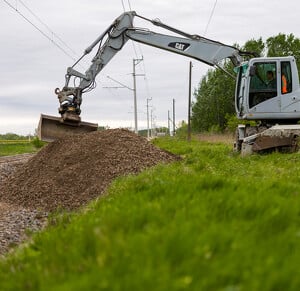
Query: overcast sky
{"points": [[31, 66]]}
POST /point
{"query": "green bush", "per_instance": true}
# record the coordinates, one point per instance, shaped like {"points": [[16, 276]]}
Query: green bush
{"points": [[38, 143], [232, 122]]}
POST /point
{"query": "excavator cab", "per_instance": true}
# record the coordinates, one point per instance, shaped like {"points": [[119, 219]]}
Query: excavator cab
{"points": [[264, 89]]}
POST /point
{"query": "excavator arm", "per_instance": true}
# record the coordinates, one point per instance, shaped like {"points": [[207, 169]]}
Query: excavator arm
{"points": [[111, 41]]}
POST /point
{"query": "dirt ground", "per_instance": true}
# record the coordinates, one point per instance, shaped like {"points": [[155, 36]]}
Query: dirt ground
{"points": [[227, 138]]}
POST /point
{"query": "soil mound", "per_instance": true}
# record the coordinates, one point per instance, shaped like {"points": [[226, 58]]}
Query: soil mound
{"points": [[68, 173]]}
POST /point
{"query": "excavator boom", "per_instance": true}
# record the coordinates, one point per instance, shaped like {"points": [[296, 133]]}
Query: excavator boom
{"points": [[109, 43]]}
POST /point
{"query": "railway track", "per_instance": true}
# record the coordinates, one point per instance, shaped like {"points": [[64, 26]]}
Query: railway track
{"points": [[21, 158], [16, 220], [9, 164]]}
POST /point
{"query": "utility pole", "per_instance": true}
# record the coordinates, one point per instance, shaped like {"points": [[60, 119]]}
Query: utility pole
{"points": [[148, 129], [135, 62], [174, 131], [169, 129], [189, 103], [151, 121]]}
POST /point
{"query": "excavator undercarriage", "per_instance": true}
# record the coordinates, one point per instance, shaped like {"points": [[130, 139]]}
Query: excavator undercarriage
{"points": [[262, 139]]}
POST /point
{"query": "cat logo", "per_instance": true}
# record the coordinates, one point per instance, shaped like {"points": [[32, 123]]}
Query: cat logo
{"points": [[182, 46]]}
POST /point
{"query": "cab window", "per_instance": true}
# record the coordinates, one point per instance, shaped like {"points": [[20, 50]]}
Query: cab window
{"points": [[263, 84], [239, 90], [286, 78]]}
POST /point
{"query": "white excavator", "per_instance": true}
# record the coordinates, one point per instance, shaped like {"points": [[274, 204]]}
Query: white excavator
{"points": [[267, 89]]}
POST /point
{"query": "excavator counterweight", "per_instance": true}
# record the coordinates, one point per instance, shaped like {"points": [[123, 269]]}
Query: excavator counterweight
{"points": [[51, 128]]}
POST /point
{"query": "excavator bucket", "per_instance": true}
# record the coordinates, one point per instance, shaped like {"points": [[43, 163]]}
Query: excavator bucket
{"points": [[51, 128]]}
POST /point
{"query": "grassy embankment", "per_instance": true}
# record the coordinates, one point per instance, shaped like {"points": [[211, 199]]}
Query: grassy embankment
{"points": [[215, 221]]}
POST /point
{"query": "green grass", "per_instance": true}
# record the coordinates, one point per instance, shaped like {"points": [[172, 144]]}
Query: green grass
{"points": [[8, 148], [215, 221]]}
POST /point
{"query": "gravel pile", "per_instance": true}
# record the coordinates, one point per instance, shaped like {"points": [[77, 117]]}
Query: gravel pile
{"points": [[70, 172], [67, 174]]}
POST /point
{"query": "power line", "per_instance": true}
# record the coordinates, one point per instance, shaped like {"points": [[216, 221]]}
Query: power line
{"points": [[133, 44], [129, 5], [144, 67], [123, 5], [48, 28], [39, 30], [136, 54], [210, 17]]}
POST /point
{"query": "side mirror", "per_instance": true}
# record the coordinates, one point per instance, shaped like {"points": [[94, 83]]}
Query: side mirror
{"points": [[252, 71]]}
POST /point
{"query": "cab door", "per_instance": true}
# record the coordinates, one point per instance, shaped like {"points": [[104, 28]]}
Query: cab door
{"points": [[240, 89], [263, 87], [290, 102]]}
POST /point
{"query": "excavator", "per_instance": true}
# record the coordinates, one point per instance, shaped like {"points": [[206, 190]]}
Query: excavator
{"points": [[274, 106]]}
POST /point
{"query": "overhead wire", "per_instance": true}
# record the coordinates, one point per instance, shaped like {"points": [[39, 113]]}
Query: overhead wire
{"points": [[210, 17], [123, 5], [141, 53], [40, 30], [47, 27], [133, 46], [129, 5]]}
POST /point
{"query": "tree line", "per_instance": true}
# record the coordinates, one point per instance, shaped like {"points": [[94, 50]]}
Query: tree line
{"points": [[213, 108], [14, 136]]}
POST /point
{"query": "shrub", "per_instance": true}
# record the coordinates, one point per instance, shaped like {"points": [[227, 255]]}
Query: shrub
{"points": [[37, 142]]}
